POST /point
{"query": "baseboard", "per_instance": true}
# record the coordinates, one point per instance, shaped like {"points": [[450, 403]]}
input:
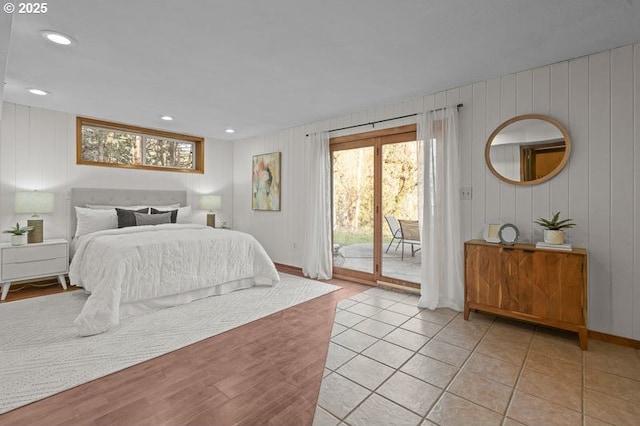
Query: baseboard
{"points": [[287, 269], [400, 288], [354, 279], [610, 338]]}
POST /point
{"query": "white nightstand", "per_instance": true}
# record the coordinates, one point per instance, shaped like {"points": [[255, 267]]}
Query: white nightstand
{"points": [[33, 261]]}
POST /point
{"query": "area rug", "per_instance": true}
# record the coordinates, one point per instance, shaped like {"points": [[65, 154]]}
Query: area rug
{"points": [[41, 355]]}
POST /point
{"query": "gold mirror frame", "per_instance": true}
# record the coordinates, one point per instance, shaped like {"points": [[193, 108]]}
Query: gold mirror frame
{"points": [[545, 178]]}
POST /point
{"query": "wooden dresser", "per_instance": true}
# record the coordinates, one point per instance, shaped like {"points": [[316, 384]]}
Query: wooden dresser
{"points": [[547, 287]]}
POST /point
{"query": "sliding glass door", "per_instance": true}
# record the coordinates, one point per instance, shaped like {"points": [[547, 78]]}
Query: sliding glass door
{"points": [[353, 209], [401, 233], [376, 234]]}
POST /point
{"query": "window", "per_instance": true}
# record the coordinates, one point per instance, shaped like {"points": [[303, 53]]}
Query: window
{"points": [[100, 143]]}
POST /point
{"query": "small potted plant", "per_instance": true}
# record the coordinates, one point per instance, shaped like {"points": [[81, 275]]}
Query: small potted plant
{"points": [[554, 228], [18, 234]]}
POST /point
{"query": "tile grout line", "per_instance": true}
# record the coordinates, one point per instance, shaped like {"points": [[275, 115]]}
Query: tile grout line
{"points": [[396, 327], [342, 419], [415, 352], [384, 381], [515, 385], [396, 370], [601, 391], [537, 333], [466, 361], [360, 353]]}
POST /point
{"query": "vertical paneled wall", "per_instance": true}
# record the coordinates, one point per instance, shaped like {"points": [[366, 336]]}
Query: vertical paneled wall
{"points": [[597, 98], [38, 151]]}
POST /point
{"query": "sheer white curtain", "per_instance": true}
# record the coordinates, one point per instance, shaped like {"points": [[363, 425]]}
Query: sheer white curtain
{"points": [[317, 255], [441, 277]]}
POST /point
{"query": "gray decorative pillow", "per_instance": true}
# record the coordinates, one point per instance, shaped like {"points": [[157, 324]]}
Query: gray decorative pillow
{"points": [[152, 219], [174, 213], [126, 217]]}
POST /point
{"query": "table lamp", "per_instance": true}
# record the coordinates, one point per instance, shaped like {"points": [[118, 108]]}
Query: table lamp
{"points": [[35, 202], [211, 203]]}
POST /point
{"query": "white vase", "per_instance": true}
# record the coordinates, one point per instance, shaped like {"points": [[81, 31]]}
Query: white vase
{"points": [[19, 240], [553, 237]]}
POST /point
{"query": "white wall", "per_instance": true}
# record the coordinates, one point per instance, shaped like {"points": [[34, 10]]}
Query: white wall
{"points": [[38, 151], [597, 98]]}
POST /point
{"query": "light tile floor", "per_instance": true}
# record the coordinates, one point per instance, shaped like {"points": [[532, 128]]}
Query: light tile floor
{"points": [[392, 363]]}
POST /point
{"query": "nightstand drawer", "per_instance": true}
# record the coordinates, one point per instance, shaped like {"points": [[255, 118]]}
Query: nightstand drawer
{"points": [[31, 253], [34, 269]]}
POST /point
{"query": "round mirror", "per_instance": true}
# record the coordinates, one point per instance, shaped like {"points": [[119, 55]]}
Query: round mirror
{"points": [[528, 149]]}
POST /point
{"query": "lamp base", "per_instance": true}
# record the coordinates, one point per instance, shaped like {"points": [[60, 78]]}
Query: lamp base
{"points": [[35, 236], [211, 220]]}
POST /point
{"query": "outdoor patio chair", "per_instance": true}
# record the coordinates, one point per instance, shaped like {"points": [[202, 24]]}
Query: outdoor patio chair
{"points": [[396, 232], [410, 234]]}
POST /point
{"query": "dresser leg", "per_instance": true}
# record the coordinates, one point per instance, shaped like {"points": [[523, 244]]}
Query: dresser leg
{"points": [[582, 334], [63, 281], [466, 311], [5, 290]]}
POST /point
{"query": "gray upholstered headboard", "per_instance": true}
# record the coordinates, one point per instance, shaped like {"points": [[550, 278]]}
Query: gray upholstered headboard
{"points": [[121, 197]]}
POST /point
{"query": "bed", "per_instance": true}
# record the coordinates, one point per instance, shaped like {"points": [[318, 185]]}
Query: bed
{"points": [[137, 269]]}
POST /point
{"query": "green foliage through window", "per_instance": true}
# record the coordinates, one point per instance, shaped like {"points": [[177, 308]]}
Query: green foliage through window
{"points": [[102, 144], [353, 182]]}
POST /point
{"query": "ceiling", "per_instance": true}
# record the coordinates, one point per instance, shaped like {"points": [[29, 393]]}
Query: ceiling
{"points": [[259, 66]]}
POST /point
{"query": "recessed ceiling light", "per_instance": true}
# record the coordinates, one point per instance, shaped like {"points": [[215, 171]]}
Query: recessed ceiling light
{"points": [[230, 131], [58, 38], [38, 92], [166, 118]]}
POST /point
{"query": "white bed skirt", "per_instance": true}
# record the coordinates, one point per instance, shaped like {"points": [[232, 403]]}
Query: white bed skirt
{"points": [[144, 306]]}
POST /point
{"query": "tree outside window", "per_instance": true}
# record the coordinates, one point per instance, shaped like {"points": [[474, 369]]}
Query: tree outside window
{"points": [[116, 145]]}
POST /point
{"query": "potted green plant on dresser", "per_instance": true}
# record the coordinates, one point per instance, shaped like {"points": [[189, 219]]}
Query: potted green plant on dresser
{"points": [[18, 234], [554, 228]]}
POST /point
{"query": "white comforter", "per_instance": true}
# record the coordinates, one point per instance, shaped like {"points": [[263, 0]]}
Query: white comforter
{"points": [[125, 265]]}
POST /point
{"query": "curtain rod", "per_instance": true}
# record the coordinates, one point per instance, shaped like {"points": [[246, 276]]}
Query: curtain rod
{"points": [[373, 123]]}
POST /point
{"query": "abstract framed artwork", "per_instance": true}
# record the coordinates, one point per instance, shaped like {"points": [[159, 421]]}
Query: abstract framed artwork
{"points": [[265, 182]]}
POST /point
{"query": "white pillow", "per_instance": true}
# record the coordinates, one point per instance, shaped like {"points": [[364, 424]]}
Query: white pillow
{"points": [[167, 207], [105, 207], [93, 220], [184, 215]]}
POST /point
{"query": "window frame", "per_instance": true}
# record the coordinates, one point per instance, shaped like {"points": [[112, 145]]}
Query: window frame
{"points": [[376, 139], [196, 140]]}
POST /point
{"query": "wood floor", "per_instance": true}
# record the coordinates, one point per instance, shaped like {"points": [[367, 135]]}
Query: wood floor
{"points": [[21, 291], [266, 372]]}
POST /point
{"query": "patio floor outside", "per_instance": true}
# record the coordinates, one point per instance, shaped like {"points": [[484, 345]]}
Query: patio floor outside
{"points": [[359, 257]]}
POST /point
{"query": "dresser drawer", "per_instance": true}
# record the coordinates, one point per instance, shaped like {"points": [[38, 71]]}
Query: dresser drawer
{"points": [[32, 253], [34, 269]]}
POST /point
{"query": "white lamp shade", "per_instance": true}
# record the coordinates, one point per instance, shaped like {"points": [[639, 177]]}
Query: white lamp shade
{"points": [[35, 202], [210, 202]]}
